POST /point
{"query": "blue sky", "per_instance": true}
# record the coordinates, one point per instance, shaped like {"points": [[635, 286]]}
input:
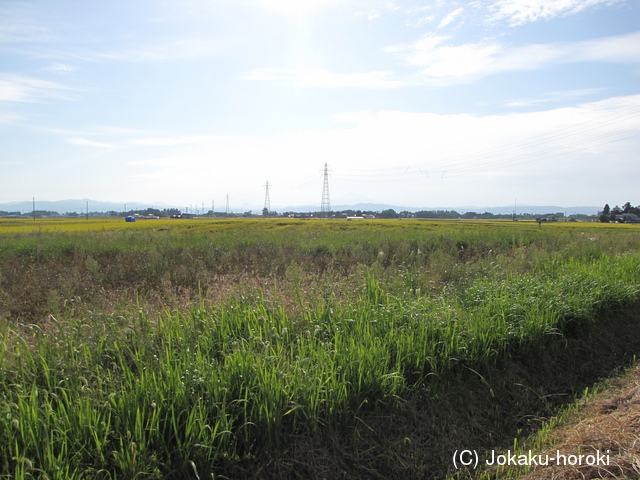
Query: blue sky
{"points": [[412, 103]]}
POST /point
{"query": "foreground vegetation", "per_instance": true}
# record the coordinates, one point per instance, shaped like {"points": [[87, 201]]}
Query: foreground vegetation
{"points": [[192, 349]]}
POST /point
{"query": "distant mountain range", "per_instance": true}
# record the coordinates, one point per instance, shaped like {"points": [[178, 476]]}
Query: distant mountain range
{"points": [[80, 205]]}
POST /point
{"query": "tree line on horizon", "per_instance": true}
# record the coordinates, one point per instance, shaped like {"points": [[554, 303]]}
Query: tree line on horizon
{"points": [[608, 214], [616, 213]]}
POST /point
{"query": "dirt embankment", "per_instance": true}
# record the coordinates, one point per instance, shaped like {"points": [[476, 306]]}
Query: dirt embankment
{"points": [[607, 424]]}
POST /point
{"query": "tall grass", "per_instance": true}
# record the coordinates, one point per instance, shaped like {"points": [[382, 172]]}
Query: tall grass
{"points": [[59, 272], [202, 389]]}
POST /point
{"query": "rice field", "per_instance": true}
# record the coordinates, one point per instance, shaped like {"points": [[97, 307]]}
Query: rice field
{"points": [[220, 348]]}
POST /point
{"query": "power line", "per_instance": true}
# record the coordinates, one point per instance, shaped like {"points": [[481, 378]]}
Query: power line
{"points": [[477, 161], [540, 140]]}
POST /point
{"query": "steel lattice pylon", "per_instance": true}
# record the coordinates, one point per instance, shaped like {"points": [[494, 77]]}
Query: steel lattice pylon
{"points": [[325, 206], [267, 202]]}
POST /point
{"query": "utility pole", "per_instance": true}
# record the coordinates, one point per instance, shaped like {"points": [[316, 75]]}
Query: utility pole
{"points": [[325, 206], [267, 203]]}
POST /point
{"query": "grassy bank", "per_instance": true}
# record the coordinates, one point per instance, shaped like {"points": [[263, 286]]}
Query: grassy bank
{"points": [[198, 349]]}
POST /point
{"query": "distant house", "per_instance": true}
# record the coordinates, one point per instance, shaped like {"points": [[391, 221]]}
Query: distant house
{"points": [[550, 218], [627, 218]]}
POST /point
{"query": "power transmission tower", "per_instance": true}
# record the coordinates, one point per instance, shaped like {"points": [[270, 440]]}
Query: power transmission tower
{"points": [[267, 203], [325, 206]]}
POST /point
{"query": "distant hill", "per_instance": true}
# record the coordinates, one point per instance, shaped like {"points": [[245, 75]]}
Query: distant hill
{"points": [[80, 205]]}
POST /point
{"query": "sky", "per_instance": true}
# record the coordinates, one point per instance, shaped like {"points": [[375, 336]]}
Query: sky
{"points": [[414, 103]]}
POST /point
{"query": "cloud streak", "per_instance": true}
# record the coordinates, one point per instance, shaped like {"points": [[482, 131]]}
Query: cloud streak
{"points": [[519, 12], [450, 17], [180, 49], [85, 142], [20, 88], [317, 78], [440, 62], [436, 61]]}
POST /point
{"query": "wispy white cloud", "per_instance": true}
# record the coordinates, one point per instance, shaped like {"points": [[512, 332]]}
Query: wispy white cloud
{"points": [[437, 59], [420, 21], [20, 88], [293, 7], [113, 137], [374, 9], [518, 12], [7, 117], [99, 136], [118, 137], [172, 141], [94, 131], [450, 17], [318, 78], [179, 49], [61, 68], [85, 142], [617, 49], [20, 33], [20, 25], [554, 97], [29, 40], [440, 62]]}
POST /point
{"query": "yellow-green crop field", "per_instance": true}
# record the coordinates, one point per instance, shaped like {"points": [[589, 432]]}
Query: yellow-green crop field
{"points": [[285, 348], [24, 225]]}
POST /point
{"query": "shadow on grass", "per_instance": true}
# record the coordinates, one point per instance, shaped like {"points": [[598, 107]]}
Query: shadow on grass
{"points": [[479, 410]]}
